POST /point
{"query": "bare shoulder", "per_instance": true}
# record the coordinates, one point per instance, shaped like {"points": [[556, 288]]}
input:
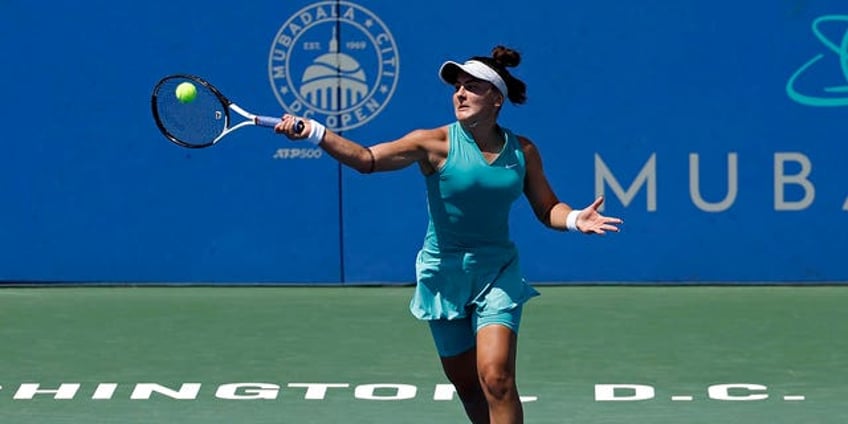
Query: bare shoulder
{"points": [[428, 135], [434, 141], [425, 146], [527, 146]]}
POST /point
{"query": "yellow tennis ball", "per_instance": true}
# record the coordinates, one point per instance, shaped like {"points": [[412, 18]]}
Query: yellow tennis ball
{"points": [[186, 92]]}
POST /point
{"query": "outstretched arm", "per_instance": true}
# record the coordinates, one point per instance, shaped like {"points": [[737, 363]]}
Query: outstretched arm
{"points": [[550, 210], [417, 146]]}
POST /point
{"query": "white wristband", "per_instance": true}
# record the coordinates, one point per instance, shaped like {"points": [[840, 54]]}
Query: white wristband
{"points": [[316, 132], [571, 220]]}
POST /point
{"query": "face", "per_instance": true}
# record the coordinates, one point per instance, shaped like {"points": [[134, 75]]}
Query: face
{"points": [[475, 100]]}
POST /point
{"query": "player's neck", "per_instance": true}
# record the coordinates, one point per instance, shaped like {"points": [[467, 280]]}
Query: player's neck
{"points": [[487, 135]]}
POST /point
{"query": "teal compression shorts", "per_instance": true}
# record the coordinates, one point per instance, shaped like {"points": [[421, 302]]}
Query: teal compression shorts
{"points": [[453, 337]]}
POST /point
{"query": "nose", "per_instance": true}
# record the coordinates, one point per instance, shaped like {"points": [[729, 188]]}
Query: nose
{"points": [[460, 91]]}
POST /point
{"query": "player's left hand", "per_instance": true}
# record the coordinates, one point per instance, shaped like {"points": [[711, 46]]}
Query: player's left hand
{"points": [[590, 221]]}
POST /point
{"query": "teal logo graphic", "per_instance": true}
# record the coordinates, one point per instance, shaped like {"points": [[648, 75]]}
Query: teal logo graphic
{"points": [[335, 62], [805, 85]]}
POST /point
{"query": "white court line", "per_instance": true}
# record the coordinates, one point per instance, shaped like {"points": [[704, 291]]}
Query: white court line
{"points": [[683, 398], [794, 397]]}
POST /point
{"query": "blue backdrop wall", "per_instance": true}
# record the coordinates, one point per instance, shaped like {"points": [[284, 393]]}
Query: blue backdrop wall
{"points": [[715, 129]]}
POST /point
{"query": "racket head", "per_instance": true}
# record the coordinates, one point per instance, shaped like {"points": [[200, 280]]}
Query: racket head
{"points": [[195, 124]]}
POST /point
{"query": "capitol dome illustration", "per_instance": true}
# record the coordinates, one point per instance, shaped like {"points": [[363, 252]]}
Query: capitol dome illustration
{"points": [[334, 81]]}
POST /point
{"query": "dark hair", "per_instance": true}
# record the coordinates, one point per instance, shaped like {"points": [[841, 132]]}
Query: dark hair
{"points": [[502, 58]]}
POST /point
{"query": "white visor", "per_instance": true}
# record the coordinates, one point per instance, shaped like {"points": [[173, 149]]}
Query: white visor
{"points": [[476, 69]]}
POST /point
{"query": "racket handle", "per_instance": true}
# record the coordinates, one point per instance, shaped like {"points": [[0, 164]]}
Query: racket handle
{"points": [[271, 122], [266, 121]]}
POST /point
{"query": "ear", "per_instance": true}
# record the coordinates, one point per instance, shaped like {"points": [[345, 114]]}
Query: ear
{"points": [[499, 99]]}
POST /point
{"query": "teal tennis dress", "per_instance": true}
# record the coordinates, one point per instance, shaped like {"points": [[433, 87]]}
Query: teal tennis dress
{"points": [[468, 262]]}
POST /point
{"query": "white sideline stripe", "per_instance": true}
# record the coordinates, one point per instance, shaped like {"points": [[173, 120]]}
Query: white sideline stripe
{"points": [[794, 397], [683, 398]]}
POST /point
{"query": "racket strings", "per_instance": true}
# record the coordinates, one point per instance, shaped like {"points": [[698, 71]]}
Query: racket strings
{"points": [[196, 123]]}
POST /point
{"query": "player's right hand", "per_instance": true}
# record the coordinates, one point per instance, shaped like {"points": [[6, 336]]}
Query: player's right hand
{"points": [[288, 127]]}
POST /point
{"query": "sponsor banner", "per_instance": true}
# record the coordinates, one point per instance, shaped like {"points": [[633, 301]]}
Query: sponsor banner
{"points": [[717, 136]]}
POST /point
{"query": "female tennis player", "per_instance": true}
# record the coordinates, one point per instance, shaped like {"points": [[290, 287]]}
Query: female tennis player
{"points": [[470, 288]]}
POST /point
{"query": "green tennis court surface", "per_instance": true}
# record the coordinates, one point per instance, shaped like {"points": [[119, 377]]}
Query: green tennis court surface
{"points": [[355, 355]]}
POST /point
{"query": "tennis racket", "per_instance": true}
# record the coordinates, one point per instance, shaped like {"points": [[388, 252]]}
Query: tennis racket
{"points": [[203, 121]]}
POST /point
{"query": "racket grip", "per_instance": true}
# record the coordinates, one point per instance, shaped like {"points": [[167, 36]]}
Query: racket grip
{"points": [[271, 122], [266, 121]]}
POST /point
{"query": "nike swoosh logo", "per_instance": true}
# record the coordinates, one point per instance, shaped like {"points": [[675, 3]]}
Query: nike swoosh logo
{"points": [[510, 166]]}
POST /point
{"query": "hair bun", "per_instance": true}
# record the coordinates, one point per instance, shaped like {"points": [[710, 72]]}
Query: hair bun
{"points": [[506, 56]]}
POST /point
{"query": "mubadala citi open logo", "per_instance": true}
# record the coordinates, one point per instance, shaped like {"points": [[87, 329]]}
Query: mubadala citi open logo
{"points": [[335, 62]]}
